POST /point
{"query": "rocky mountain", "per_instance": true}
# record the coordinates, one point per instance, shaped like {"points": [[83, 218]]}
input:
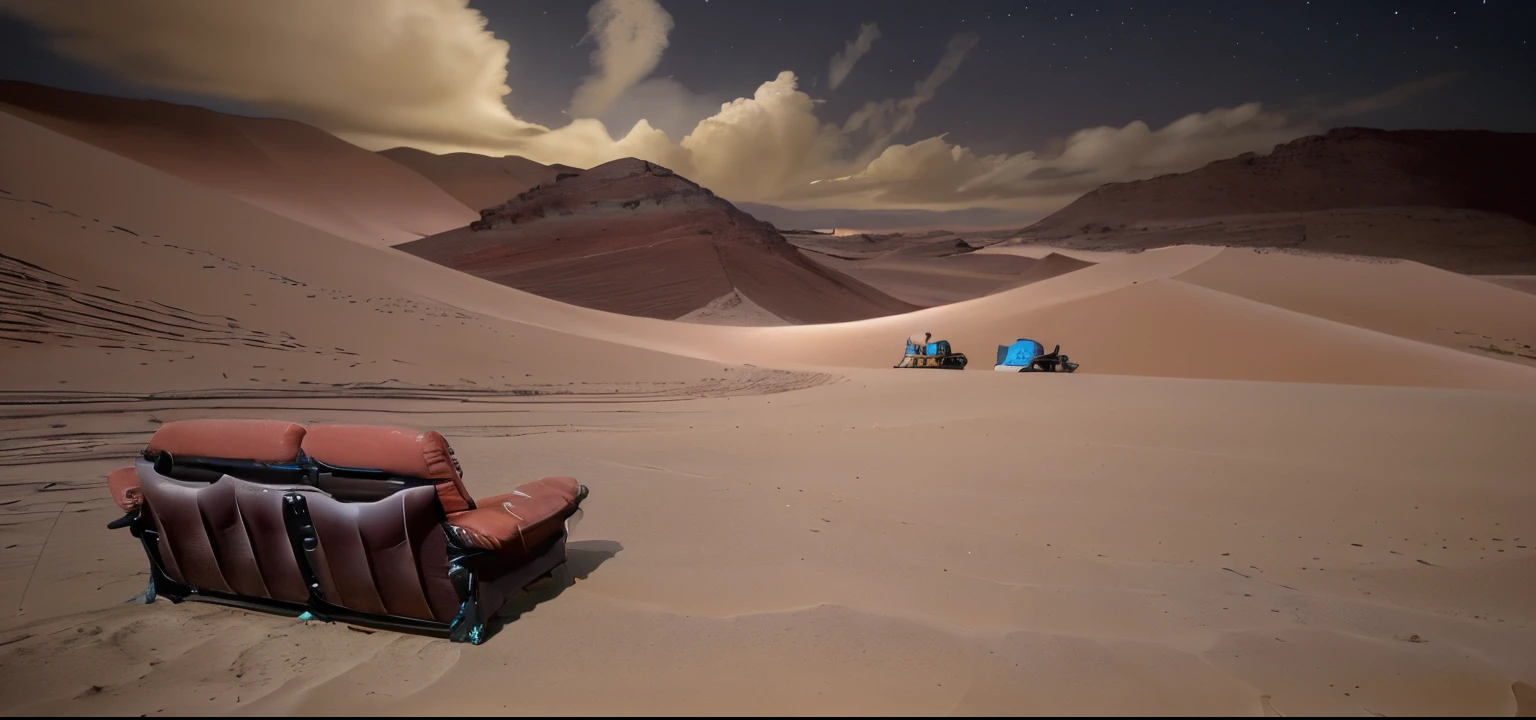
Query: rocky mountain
{"points": [[632, 237], [1455, 199]]}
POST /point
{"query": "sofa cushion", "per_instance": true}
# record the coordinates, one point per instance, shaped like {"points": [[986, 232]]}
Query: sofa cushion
{"points": [[268, 441], [401, 451], [519, 520]]}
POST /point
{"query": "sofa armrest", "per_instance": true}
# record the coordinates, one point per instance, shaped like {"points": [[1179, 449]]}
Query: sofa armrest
{"points": [[520, 520], [123, 483]]}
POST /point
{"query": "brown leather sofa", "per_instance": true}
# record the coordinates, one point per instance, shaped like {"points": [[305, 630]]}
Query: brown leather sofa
{"points": [[356, 523]]}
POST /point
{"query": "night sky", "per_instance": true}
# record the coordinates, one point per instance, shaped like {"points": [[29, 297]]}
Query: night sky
{"points": [[1037, 73], [1045, 69]]}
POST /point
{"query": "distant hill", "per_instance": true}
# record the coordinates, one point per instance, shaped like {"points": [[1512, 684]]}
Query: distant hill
{"points": [[886, 220], [1455, 199], [478, 181], [285, 167], [635, 238]]}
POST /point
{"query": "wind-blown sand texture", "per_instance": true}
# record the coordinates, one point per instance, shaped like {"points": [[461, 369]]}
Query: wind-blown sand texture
{"points": [[1279, 484]]}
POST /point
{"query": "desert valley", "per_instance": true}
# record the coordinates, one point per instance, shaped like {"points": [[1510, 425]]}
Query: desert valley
{"points": [[1293, 474]]}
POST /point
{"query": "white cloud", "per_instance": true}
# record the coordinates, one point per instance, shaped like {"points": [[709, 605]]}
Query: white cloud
{"points": [[425, 69], [935, 170], [842, 63], [426, 73], [665, 104], [630, 35], [756, 147]]}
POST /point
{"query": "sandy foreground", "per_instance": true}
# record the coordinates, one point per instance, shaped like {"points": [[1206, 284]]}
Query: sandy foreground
{"points": [[1279, 485]]}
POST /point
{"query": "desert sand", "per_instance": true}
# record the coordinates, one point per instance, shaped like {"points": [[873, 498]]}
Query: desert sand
{"points": [[1280, 483]]}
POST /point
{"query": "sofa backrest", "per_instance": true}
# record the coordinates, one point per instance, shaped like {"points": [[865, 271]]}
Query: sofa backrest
{"points": [[350, 462], [387, 557], [266, 441], [207, 449], [228, 535], [398, 451]]}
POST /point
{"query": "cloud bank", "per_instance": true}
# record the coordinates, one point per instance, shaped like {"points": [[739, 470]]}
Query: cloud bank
{"points": [[427, 74], [843, 62]]}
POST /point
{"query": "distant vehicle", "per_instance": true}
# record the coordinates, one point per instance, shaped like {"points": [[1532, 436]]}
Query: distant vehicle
{"points": [[1026, 355], [937, 355]]}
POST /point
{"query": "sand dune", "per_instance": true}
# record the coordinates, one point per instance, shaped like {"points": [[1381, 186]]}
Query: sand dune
{"points": [[1041, 251], [285, 167], [733, 308], [813, 535], [925, 269], [1052, 265], [634, 238], [216, 278], [1138, 315], [1126, 316], [931, 281], [477, 181], [1407, 300]]}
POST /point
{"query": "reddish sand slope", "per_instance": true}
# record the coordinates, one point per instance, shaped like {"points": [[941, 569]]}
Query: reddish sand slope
{"points": [[288, 168], [1453, 199], [634, 238], [477, 181], [106, 264]]}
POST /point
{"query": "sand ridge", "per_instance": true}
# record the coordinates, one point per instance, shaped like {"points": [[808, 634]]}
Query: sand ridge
{"points": [[285, 167], [477, 181]]}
